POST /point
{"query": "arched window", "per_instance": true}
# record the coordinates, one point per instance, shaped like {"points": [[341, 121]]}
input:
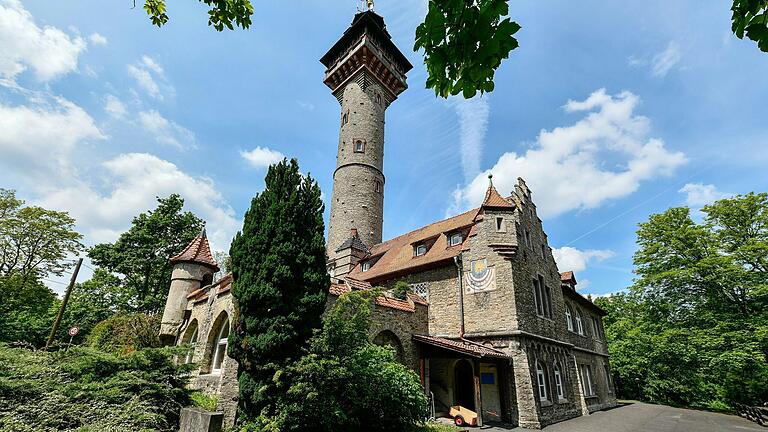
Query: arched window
{"points": [[579, 325], [568, 318], [192, 341], [220, 349], [559, 383], [541, 379]]}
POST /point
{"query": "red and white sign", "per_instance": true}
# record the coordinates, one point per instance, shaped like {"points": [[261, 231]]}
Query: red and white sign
{"points": [[73, 331]]}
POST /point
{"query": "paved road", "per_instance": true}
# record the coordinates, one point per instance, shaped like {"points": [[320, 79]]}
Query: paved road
{"points": [[640, 417]]}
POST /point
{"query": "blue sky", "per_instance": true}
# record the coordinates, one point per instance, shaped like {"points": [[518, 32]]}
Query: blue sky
{"points": [[610, 111]]}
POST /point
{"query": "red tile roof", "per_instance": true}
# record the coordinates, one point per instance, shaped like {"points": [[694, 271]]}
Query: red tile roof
{"points": [[383, 301], [494, 199], [463, 346], [568, 276], [396, 255], [198, 251], [221, 286]]}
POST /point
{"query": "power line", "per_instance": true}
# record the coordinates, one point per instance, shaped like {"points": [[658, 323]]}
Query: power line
{"points": [[56, 282]]}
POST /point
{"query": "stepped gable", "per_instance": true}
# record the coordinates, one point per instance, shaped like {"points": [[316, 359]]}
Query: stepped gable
{"points": [[198, 251]]}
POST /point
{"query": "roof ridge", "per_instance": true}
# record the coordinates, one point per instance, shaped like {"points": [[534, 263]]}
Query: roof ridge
{"points": [[476, 209]]}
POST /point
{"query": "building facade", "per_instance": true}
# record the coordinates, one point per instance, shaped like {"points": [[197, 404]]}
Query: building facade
{"points": [[490, 323]]}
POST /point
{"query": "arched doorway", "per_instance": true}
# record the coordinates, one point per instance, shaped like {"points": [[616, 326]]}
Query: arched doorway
{"points": [[463, 385], [387, 338]]}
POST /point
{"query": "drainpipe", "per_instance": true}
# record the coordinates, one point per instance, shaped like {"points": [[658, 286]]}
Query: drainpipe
{"points": [[457, 261]]}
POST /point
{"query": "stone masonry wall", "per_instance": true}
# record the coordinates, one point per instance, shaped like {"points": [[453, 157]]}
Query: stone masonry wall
{"points": [[358, 182]]}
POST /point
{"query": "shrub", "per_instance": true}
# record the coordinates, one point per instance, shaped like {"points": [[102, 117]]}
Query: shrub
{"points": [[124, 333], [346, 383], [83, 389]]}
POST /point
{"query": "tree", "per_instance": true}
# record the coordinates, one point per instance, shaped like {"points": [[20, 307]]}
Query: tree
{"points": [[464, 41], [280, 282], [27, 310], [693, 330], [140, 255], [34, 241], [346, 383]]}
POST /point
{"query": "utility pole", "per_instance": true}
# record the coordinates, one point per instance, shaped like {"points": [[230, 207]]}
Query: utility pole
{"points": [[63, 304]]}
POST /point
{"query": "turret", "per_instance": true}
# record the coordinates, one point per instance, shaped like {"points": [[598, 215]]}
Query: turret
{"points": [[365, 72], [193, 269]]}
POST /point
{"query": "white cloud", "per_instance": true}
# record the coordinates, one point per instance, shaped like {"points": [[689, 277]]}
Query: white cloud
{"points": [[150, 77], [132, 183], [699, 194], [114, 107], [262, 157], [166, 131], [97, 39], [48, 51], [576, 260], [605, 155], [307, 106], [36, 140], [473, 123], [664, 61]]}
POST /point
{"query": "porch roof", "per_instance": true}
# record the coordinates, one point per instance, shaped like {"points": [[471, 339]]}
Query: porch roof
{"points": [[462, 346]]}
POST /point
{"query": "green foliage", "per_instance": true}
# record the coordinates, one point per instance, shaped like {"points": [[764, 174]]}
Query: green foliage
{"points": [[84, 389], [34, 242], [401, 290], [280, 282], [222, 13], [204, 401], [125, 333], [140, 256], [346, 383], [750, 17], [464, 42], [27, 310], [693, 330]]}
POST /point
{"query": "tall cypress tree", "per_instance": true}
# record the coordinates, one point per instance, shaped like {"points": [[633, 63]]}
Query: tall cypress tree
{"points": [[280, 283]]}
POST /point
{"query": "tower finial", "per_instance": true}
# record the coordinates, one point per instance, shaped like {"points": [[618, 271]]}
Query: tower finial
{"points": [[370, 5], [490, 179]]}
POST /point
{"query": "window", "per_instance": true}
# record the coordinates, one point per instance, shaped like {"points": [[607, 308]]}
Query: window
{"points": [[568, 318], [377, 186], [456, 239], [595, 329], [586, 380], [537, 298], [500, 226], [579, 325], [542, 297], [528, 239], [345, 118], [221, 347], [607, 377], [359, 146], [541, 378], [419, 250], [421, 290], [543, 251], [559, 383], [192, 343], [378, 98], [365, 266]]}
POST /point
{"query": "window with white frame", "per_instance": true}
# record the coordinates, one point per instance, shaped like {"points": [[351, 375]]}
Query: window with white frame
{"points": [[455, 239], [587, 388], [595, 329], [568, 318], [365, 266], [419, 250], [220, 350], [541, 378], [559, 383], [579, 325], [359, 146]]}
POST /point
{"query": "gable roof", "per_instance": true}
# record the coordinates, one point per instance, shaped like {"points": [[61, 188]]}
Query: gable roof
{"points": [[462, 346], [396, 255], [198, 251]]}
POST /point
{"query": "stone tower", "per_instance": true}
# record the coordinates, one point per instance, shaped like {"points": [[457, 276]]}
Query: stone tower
{"points": [[366, 73], [193, 269]]}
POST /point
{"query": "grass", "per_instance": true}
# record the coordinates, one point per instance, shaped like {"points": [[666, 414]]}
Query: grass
{"points": [[204, 401], [437, 427]]}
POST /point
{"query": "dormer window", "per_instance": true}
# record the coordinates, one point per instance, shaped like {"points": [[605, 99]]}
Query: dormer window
{"points": [[365, 266], [359, 146], [419, 250], [455, 239]]}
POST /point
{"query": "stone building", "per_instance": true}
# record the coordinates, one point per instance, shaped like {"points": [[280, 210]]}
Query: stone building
{"points": [[490, 322]]}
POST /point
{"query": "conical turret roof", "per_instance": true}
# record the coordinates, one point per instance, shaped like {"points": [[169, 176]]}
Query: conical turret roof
{"points": [[198, 251], [493, 198]]}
